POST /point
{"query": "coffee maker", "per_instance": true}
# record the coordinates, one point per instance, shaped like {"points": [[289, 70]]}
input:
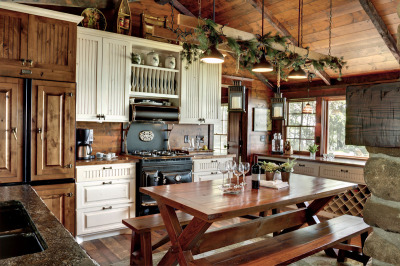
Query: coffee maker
{"points": [[84, 141]]}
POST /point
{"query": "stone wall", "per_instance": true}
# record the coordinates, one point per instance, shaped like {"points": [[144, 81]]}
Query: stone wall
{"points": [[382, 210]]}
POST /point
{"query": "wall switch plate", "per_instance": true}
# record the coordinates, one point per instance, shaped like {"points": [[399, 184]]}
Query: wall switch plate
{"points": [[186, 139], [262, 138]]}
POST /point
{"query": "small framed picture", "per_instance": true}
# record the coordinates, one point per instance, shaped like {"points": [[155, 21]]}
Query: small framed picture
{"points": [[261, 119]]}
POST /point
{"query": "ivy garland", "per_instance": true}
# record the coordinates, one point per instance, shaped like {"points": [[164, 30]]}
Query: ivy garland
{"points": [[248, 52]]}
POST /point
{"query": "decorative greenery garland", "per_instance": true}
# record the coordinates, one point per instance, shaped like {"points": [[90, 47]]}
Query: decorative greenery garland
{"points": [[248, 52]]}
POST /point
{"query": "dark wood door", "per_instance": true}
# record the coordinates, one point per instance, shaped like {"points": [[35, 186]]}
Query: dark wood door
{"points": [[11, 101], [234, 134], [60, 199], [52, 48], [53, 130], [13, 42]]}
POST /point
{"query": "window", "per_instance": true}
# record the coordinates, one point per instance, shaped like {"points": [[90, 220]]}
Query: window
{"points": [[300, 130], [221, 131], [336, 130]]}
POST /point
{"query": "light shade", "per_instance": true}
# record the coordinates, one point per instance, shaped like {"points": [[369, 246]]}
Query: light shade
{"points": [[297, 74], [263, 65], [307, 109], [214, 57]]}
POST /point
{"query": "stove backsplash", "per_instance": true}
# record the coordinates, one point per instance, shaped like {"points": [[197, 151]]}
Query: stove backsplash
{"points": [[158, 136], [176, 138]]}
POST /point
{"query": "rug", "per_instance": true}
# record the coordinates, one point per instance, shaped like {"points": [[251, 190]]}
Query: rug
{"points": [[318, 259]]}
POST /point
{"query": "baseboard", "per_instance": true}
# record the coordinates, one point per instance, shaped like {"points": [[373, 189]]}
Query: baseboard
{"points": [[83, 238]]}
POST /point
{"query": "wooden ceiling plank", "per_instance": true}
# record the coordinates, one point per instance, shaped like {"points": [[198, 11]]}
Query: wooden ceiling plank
{"points": [[181, 8], [381, 27], [264, 81]]}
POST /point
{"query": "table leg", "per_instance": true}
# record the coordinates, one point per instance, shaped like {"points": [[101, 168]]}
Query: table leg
{"points": [[181, 241]]}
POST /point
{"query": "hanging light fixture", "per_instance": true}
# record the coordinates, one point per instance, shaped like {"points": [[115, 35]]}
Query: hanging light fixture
{"points": [[307, 109], [299, 73], [263, 65], [212, 55]]}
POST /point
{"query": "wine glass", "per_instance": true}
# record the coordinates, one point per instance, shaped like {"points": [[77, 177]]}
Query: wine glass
{"points": [[238, 171], [246, 169], [231, 165], [223, 168]]}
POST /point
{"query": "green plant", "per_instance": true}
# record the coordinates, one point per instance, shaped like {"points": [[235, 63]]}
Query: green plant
{"points": [[313, 148], [269, 167], [288, 166]]}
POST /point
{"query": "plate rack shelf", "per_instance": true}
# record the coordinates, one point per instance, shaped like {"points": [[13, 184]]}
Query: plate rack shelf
{"points": [[351, 202]]}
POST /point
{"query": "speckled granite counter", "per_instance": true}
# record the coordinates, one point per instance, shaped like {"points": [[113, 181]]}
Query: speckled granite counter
{"points": [[62, 248], [119, 159]]}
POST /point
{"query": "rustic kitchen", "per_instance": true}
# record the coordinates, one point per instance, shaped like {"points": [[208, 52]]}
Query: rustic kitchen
{"points": [[141, 132]]}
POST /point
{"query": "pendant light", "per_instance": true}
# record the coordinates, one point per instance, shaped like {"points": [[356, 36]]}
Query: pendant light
{"points": [[307, 109], [299, 73], [212, 55], [263, 65]]}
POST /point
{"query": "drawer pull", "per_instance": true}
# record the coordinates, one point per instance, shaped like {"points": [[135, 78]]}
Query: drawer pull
{"points": [[69, 195], [107, 183], [107, 168], [107, 208], [214, 173], [302, 165], [344, 171], [214, 161]]}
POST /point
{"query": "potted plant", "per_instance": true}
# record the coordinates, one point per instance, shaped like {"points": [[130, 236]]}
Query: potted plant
{"points": [[313, 148], [286, 168], [270, 169]]}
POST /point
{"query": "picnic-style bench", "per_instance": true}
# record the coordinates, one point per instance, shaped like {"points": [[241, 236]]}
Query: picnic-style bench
{"points": [[282, 249], [141, 247]]}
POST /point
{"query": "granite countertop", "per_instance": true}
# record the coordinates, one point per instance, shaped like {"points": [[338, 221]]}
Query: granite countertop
{"points": [[117, 160], [337, 161], [62, 247]]}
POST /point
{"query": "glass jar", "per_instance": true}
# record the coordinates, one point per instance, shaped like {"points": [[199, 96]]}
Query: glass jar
{"points": [[277, 144]]}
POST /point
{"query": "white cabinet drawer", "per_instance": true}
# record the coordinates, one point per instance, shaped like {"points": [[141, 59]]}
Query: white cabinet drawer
{"points": [[100, 219], [205, 176], [208, 165], [306, 168], [97, 193], [345, 173], [105, 172]]}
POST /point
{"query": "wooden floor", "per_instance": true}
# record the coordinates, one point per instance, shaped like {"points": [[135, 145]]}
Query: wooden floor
{"points": [[110, 250]]}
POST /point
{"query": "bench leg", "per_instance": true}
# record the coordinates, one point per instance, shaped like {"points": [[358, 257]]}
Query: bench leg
{"points": [[135, 249], [145, 248]]}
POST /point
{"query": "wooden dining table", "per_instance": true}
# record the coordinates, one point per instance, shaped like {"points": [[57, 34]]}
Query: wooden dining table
{"points": [[205, 201]]}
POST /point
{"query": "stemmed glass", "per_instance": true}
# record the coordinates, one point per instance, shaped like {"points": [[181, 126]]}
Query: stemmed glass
{"points": [[223, 168], [246, 169], [231, 165], [238, 171]]}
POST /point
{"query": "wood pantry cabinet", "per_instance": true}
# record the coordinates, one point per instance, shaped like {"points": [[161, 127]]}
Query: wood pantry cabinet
{"points": [[201, 93], [103, 76], [53, 130], [11, 129], [37, 47], [60, 199]]}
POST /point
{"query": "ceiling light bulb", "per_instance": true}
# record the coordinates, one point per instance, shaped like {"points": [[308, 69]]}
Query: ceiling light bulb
{"points": [[214, 57]]}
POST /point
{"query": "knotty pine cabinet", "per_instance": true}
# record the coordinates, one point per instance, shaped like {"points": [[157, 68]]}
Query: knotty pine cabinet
{"points": [[201, 93], [53, 130], [103, 77], [11, 129], [60, 199], [37, 47]]}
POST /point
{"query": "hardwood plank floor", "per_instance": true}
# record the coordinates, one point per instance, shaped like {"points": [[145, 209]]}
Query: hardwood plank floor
{"points": [[111, 250]]}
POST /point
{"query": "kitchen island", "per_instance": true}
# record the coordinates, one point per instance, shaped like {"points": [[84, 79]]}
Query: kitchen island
{"points": [[62, 248]]}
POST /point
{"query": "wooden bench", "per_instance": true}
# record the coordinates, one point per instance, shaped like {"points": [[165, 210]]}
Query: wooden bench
{"points": [[141, 247], [298, 244]]}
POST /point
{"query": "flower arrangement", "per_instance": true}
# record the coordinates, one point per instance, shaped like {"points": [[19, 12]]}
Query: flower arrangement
{"points": [[313, 148], [288, 166], [269, 167]]}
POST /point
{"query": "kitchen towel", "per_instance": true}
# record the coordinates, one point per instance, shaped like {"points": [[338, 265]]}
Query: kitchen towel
{"points": [[277, 184]]}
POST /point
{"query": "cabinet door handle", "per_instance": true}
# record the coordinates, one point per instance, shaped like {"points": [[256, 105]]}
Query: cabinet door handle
{"points": [[107, 208], [107, 183], [40, 131], [14, 131], [344, 171], [68, 166], [302, 165], [69, 195], [23, 62], [107, 168], [214, 161], [30, 61], [214, 173]]}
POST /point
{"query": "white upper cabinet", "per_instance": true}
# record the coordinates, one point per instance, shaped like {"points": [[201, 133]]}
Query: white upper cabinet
{"points": [[201, 93], [103, 77]]}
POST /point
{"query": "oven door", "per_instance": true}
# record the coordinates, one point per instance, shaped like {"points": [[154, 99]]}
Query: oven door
{"points": [[176, 177]]}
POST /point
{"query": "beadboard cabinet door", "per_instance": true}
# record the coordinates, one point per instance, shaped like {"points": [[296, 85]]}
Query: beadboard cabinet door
{"points": [[116, 77], [53, 130], [11, 129], [88, 77], [201, 93]]}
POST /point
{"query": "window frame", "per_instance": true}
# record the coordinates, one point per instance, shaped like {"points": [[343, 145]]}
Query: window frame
{"points": [[303, 101], [222, 123]]}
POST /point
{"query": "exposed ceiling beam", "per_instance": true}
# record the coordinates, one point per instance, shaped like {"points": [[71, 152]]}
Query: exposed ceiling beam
{"points": [[380, 25], [264, 81], [178, 6], [274, 22], [161, 2]]}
